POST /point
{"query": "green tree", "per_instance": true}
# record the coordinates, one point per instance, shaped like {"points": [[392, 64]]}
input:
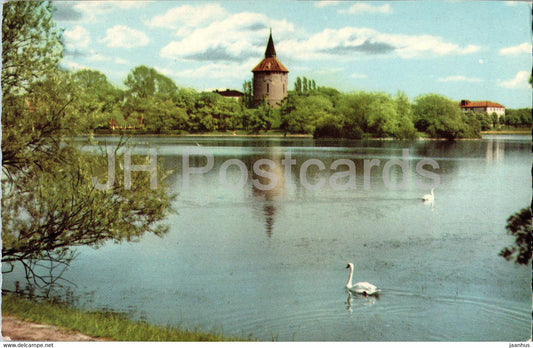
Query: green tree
{"points": [[519, 225], [300, 114], [298, 85], [97, 100], [406, 129], [152, 100], [440, 117], [49, 203], [356, 108], [144, 82], [31, 44], [260, 119], [247, 99], [305, 85]]}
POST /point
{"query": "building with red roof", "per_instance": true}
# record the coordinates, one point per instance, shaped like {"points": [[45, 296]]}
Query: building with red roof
{"points": [[270, 78], [483, 107]]}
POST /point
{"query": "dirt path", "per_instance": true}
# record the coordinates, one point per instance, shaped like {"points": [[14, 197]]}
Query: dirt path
{"points": [[15, 329]]}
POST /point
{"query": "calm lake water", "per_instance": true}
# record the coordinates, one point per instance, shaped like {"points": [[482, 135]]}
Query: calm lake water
{"points": [[271, 263]]}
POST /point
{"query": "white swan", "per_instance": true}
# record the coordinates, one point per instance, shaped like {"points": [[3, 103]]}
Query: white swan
{"points": [[361, 288], [429, 198]]}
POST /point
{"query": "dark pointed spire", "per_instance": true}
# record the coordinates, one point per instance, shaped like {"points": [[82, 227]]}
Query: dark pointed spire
{"points": [[270, 51]]}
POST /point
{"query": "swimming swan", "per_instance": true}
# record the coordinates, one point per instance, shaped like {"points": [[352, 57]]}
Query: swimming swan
{"points": [[429, 198], [361, 288]]}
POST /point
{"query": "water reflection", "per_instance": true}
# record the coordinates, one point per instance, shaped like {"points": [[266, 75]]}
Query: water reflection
{"points": [[268, 185], [361, 299], [442, 255], [495, 150]]}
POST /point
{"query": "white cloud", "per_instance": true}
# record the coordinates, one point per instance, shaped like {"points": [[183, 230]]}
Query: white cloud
{"points": [[233, 38], [326, 71], [67, 64], [520, 81], [363, 7], [350, 42], [125, 37], [77, 37], [93, 10], [165, 71], [213, 70], [120, 61], [188, 16], [95, 57], [358, 76], [515, 50], [325, 3], [208, 33], [459, 78]]}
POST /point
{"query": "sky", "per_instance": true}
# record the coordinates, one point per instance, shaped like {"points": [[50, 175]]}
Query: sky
{"points": [[475, 50]]}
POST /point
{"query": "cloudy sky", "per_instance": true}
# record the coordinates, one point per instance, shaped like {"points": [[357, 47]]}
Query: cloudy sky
{"points": [[464, 50]]}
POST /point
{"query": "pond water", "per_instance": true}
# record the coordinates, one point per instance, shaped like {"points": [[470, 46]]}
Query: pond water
{"points": [[270, 263]]}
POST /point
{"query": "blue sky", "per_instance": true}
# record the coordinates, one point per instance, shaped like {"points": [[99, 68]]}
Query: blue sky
{"points": [[464, 50]]}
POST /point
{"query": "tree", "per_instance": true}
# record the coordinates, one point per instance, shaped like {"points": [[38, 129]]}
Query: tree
{"points": [[520, 226], [260, 119], [144, 82], [49, 202], [152, 100], [305, 83], [31, 44], [298, 85], [247, 99], [97, 99], [440, 117]]}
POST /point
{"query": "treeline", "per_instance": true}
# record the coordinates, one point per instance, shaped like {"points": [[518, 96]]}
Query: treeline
{"points": [[326, 112], [153, 103]]}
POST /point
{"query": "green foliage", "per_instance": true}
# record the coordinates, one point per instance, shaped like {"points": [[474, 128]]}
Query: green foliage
{"points": [[518, 117], [247, 98], [97, 100], [519, 225], [303, 85], [260, 119], [298, 85], [101, 324], [49, 203], [31, 44], [144, 82], [300, 114], [441, 117]]}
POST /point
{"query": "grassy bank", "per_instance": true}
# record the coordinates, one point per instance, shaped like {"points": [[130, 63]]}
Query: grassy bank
{"points": [[99, 324], [509, 131]]}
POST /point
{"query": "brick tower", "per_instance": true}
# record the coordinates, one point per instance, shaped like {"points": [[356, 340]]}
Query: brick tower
{"points": [[270, 78]]}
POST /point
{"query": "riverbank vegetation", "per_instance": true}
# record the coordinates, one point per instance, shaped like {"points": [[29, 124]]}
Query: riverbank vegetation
{"points": [[100, 324], [50, 203], [153, 104]]}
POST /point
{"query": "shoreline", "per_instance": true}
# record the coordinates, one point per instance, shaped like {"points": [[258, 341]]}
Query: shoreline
{"points": [[295, 136], [31, 320]]}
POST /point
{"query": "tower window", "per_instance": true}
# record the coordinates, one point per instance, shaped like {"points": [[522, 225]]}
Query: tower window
{"points": [[268, 88]]}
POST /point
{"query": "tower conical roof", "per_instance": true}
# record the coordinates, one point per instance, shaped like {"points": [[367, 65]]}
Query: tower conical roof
{"points": [[270, 62], [270, 50]]}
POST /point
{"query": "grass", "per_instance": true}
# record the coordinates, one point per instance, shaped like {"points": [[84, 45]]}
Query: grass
{"points": [[100, 324], [509, 130]]}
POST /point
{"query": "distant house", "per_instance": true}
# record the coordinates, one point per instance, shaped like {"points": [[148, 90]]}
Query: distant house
{"points": [[230, 93], [483, 107]]}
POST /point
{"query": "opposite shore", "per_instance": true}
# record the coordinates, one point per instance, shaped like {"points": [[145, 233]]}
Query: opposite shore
{"points": [[280, 134]]}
